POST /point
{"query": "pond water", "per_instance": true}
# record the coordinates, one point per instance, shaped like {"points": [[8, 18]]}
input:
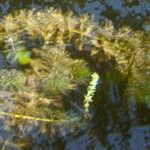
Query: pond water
{"points": [[117, 125]]}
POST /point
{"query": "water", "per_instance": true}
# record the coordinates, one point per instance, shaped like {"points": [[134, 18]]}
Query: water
{"points": [[117, 124]]}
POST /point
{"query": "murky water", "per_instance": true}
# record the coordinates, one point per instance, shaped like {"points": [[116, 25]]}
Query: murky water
{"points": [[117, 124]]}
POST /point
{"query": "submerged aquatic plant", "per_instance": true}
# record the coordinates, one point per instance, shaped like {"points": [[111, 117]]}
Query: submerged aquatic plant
{"points": [[43, 45], [12, 80], [44, 71], [20, 56], [90, 91]]}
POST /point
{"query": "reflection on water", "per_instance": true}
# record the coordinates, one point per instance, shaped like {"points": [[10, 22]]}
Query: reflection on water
{"points": [[117, 124]]}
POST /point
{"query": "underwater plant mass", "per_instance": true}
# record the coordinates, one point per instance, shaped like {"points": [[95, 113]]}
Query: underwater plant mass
{"points": [[50, 56]]}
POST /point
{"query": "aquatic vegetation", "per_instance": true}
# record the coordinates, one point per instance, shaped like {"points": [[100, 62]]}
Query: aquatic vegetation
{"points": [[12, 80], [39, 49], [43, 72], [20, 56], [90, 91]]}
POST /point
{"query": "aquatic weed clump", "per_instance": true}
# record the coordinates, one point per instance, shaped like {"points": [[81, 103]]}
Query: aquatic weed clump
{"points": [[12, 80], [40, 69], [128, 53]]}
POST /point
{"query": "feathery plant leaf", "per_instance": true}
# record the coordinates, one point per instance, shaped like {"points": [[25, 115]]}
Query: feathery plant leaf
{"points": [[11, 80], [90, 91]]}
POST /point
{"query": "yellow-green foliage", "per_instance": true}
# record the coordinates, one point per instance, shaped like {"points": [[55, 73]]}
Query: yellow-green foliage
{"points": [[37, 42], [19, 55], [52, 25], [131, 52], [12, 80], [44, 69], [90, 91]]}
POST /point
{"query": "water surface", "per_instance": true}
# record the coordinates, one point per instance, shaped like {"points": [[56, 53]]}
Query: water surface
{"points": [[117, 124]]}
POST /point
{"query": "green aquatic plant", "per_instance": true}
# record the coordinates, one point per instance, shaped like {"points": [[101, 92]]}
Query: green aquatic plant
{"points": [[79, 75], [130, 54], [12, 80], [17, 53], [55, 83], [90, 91], [20, 56], [44, 46], [35, 49]]}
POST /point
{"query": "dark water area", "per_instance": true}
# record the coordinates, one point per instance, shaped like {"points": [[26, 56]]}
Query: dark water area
{"points": [[117, 124]]}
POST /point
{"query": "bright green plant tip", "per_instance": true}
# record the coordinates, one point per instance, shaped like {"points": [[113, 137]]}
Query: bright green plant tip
{"points": [[23, 57], [90, 91], [81, 75]]}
